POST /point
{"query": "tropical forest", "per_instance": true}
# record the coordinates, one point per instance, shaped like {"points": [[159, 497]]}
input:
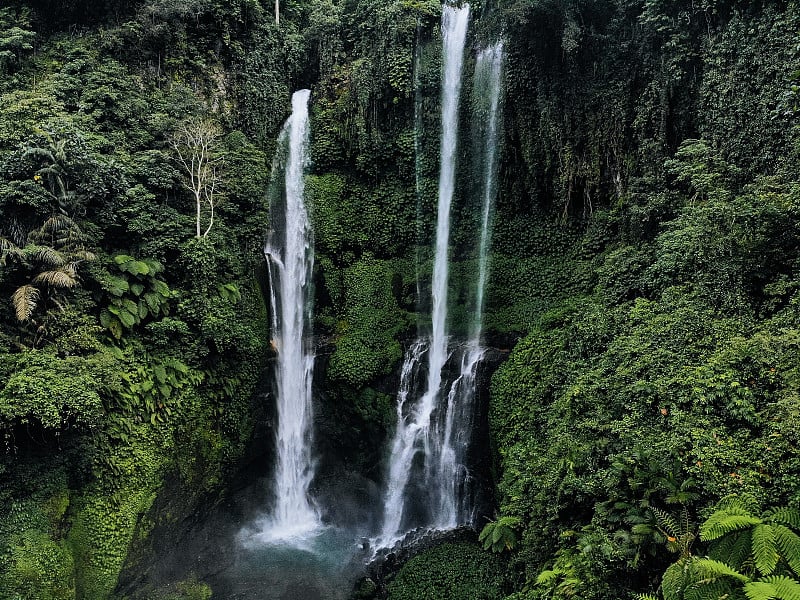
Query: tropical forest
{"points": [[399, 300]]}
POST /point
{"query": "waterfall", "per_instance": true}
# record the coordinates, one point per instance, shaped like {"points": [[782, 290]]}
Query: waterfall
{"points": [[290, 258], [453, 478], [415, 433], [487, 82]]}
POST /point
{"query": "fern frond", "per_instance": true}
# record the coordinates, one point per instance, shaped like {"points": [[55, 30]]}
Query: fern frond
{"points": [[85, 255], [778, 587], [46, 256], [789, 545], [739, 504], [723, 522], [732, 549], [9, 248], [645, 597], [59, 279], [58, 223], [716, 589], [709, 569], [666, 521], [787, 588], [548, 577], [765, 551], [25, 300], [785, 516], [675, 579], [759, 590], [71, 269]]}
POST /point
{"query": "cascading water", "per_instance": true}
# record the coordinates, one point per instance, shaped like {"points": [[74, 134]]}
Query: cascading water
{"points": [[414, 432], [290, 257], [454, 481]]}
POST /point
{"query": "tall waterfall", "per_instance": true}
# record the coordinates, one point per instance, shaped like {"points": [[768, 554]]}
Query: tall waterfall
{"points": [[453, 479], [415, 431], [290, 258]]}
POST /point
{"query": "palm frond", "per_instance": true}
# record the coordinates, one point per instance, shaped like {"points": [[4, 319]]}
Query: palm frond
{"points": [[25, 300]]}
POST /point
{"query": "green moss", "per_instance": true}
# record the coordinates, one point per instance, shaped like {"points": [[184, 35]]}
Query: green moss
{"points": [[106, 517], [34, 567], [366, 344]]}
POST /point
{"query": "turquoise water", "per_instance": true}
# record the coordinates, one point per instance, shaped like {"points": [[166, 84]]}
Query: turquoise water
{"points": [[320, 568]]}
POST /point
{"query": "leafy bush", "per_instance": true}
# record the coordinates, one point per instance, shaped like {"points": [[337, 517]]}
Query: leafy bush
{"points": [[451, 571]]}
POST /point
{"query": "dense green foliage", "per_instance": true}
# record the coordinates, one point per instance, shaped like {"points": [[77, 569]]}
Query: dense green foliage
{"points": [[665, 376], [450, 571], [128, 349]]}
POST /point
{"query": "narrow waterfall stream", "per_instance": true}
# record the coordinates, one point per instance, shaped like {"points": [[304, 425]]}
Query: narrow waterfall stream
{"points": [[453, 476], [415, 431], [290, 256]]}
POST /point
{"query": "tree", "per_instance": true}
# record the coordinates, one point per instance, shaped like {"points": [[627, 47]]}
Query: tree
{"points": [[15, 38], [195, 143]]}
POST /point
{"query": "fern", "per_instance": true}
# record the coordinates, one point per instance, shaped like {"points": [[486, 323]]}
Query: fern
{"points": [[732, 549], [8, 248], [787, 588], [645, 597], [779, 587], [666, 522], [723, 522], [764, 547], [759, 590], [674, 580], [46, 256], [710, 569], [789, 544], [548, 577], [59, 279], [25, 300], [785, 516], [717, 589], [741, 504]]}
